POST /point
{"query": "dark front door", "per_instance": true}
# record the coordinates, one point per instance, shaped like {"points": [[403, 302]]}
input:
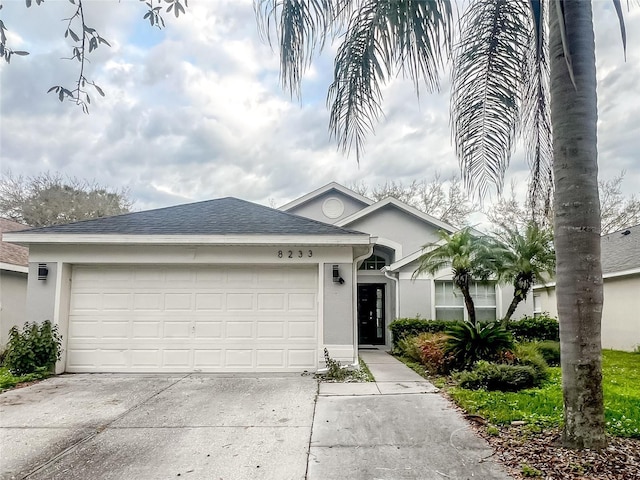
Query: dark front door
{"points": [[371, 314]]}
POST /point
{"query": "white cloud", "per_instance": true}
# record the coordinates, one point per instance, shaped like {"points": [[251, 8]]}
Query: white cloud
{"points": [[196, 111]]}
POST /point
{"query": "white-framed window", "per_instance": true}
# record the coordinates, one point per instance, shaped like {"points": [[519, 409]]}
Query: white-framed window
{"points": [[449, 302], [374, 262], [537, 305]]}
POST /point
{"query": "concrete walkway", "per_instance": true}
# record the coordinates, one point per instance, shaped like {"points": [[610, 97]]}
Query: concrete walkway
{"points": [[395, 428]]}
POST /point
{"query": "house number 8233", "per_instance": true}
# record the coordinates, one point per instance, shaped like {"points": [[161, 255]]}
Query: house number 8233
{"points": [[294, 253]]}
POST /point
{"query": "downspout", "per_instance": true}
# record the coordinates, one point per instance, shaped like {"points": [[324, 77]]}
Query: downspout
{"points": [[355, 301]]}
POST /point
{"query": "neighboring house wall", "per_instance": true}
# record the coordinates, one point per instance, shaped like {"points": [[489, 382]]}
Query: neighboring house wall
{"points": [[13, 300], [620, 312], [13, 280], [330, 207]]}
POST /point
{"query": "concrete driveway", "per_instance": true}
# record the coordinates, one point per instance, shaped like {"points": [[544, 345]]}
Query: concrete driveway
{"points": [[155, 427]]}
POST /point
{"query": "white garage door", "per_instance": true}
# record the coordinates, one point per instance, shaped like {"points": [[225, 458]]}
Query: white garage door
{"points": [[192, 318]]}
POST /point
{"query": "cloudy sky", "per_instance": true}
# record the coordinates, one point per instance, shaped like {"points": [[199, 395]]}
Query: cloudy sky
{"points": [[195, 111]]}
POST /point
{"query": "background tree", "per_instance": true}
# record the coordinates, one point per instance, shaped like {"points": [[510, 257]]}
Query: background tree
{"points": [[50, 199], [617, 211], [464, 252], [521, 257], [444, 200]]}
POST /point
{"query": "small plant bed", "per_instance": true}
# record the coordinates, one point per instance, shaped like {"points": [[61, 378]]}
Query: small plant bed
{"points": [[524, 427], [8, 380], [336, 372]]}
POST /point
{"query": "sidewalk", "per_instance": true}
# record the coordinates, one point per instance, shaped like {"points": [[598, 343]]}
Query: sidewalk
{"points": [[395, 428]]}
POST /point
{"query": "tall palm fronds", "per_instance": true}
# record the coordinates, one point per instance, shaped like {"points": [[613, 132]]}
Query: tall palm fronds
{"points": [[521, 258], [381, 39], [462, 251]]}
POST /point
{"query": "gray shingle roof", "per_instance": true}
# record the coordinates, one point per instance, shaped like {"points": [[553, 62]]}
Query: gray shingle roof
{"points": [[223, 216], [621, 250]]}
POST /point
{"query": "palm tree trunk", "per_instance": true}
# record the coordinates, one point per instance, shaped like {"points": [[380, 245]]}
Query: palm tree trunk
{"points": [[577, 224], [468, 303], [512, 308]]}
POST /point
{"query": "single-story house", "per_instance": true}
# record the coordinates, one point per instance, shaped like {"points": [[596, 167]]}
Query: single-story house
{"points": [[228, 286], [13, 281], [621, 277]]}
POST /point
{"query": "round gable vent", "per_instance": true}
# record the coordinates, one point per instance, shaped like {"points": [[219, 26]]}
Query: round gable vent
{"points": [[332, 207]]}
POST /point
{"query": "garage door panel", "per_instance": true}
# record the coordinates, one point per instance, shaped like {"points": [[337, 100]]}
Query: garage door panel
{"points": [[186, 318], [239, 301], [209, 301], [302, 301]]}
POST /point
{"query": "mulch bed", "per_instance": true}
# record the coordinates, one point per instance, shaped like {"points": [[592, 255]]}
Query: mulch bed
{"points": [[544, 458]]}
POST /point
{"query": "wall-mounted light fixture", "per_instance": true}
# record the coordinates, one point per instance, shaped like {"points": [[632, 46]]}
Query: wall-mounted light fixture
{"points": [[43, 271], [336, 275]]}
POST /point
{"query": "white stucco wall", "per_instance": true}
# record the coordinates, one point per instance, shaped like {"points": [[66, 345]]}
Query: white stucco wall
{"points": [[620, 312], [13, 301]]}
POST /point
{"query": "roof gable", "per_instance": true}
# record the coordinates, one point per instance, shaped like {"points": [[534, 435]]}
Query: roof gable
{"points": [[224, 216], [323, 190], [395, 203]]}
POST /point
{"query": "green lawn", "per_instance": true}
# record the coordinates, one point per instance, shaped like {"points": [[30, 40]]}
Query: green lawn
{"points": [[543, 406], [7, 380]]}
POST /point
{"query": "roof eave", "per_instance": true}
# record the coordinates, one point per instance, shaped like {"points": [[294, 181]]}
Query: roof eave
{"points": [[96, 239]]}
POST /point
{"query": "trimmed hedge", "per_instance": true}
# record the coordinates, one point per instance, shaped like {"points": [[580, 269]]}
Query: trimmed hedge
{"points": [[499, 376], [409, 327], [532, 329]]}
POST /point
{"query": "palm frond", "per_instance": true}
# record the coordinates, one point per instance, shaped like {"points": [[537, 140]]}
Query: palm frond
{"points": [[301, 28], [536, 115], [410, 36], [623, 30], [487, 88]]}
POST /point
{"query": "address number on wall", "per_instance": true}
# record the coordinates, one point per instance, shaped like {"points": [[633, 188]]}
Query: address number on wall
{"points": [[295, 253]]}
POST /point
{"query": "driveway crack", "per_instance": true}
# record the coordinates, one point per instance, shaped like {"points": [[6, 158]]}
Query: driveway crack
{"points": [[313, 421]]}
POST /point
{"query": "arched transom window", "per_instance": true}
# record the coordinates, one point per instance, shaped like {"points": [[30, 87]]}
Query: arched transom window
{"points": [[374, 262]]}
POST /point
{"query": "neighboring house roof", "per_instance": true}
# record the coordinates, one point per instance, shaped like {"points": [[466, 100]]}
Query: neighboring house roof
{"points": [[620, 254], [12, 257], [222, 217], [322, 190], [621, 250], [394, 202]]}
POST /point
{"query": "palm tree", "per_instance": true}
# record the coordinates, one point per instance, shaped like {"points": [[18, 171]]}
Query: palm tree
{"points": [[521, 258], [510, 64], [461, 251]]}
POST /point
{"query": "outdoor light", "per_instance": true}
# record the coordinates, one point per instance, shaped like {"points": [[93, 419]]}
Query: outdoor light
{"points": [[336, 275], [43, 271]]}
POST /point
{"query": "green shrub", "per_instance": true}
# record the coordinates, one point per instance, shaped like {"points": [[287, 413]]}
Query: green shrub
{"points": [[408, 347], [411, 327], [37, 347], [550, 351], [432, 351], [497, 376], [531, 329], [528, 354], [469, 343]]}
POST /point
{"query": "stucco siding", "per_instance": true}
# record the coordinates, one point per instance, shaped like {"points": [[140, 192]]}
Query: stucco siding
{"points": [[41, 294], [338, 306], [415, 299], [313, 208], [13, 301], [401, 227], [505, 295], [620, 312]]}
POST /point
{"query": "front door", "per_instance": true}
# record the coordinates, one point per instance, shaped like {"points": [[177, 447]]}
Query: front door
{"points": [[371, 314]]}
